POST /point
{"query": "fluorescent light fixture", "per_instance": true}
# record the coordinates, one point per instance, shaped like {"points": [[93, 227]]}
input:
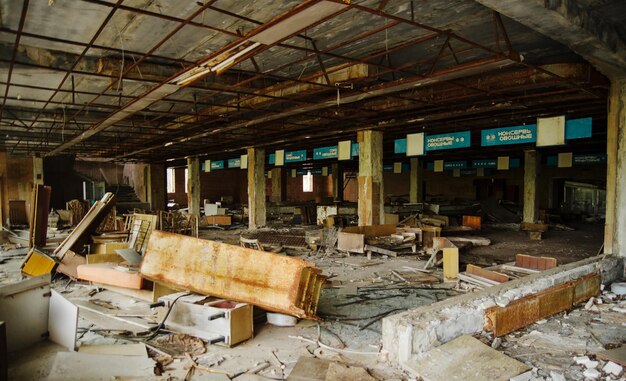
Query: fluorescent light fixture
{"points": [[292, 24], [279, 28]]}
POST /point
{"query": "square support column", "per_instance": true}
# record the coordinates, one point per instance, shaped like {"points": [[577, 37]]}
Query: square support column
{"points": [[193, 185], [279, 185], [416, 181], [614, 234], [337, 177], [256, 188], [531, 169], [157, 184], [371, 196]]}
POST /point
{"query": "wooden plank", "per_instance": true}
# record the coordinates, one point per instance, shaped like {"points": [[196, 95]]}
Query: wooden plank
{"points": [[110, 273], [62, 321], [527, 310], [271, 281], [464, 358], [493, 275], [219, 220], [87, 226]]}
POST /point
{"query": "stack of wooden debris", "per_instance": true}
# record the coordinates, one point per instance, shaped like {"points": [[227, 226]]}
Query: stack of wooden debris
{"points": [[524, 265], [382, 239]]}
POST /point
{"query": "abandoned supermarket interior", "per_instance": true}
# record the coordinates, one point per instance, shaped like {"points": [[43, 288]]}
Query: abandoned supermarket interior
{"points": [[312, 190]]}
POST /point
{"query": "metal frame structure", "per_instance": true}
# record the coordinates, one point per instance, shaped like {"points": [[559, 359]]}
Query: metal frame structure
{"points": [[426, 78]]}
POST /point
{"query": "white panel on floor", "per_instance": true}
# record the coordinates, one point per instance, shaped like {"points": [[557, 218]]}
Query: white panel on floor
{"points": [[62, 321]]}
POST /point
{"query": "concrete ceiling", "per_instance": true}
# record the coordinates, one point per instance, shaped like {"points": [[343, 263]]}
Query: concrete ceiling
{"points": [[93, 77]]}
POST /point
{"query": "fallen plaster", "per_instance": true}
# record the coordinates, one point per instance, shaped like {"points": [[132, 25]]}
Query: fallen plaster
{"points": [[419, 330]]}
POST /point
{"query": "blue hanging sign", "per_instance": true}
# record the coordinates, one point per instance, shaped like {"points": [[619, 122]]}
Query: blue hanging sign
{"points": [[272, 158], [217, 164], [234, 163], [399, 146], [330, 152], [578, 128], [509, 135], [515, 162], [295, 156], [448, 141], [459, 164], [354, 149]]}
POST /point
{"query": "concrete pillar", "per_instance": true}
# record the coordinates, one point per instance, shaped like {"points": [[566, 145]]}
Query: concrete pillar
{"points": [[256, 188], [279, 185], [371, 205], [193, 185], [337, 177], [37, 170], [416, 181], [614, 234], [531, 169], [157, 184]]}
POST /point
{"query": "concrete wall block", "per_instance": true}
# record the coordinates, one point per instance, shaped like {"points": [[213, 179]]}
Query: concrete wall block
{"points": [[430, 325]]}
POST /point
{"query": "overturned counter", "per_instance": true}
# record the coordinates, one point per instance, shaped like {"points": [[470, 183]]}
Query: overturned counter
{"points": [[274, 282]]}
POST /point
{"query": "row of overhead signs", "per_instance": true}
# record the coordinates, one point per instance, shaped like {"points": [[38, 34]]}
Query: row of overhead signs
{"points": [[546, 132]]}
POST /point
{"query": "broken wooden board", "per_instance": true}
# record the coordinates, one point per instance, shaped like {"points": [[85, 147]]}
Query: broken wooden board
{"points": [[62, 321], [152, 296], [617, 355], [87, 226], [275, 282], [529, 309], [484, 273], [77, 366], [464, 359], [473, 222], [535, 263]]}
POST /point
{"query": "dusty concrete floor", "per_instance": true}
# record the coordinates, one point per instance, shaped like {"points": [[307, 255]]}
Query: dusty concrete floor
{"points": [[361, 292]]}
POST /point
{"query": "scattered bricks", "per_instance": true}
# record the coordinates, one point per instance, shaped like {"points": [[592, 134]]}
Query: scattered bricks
{"points": [[535, 263]]}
